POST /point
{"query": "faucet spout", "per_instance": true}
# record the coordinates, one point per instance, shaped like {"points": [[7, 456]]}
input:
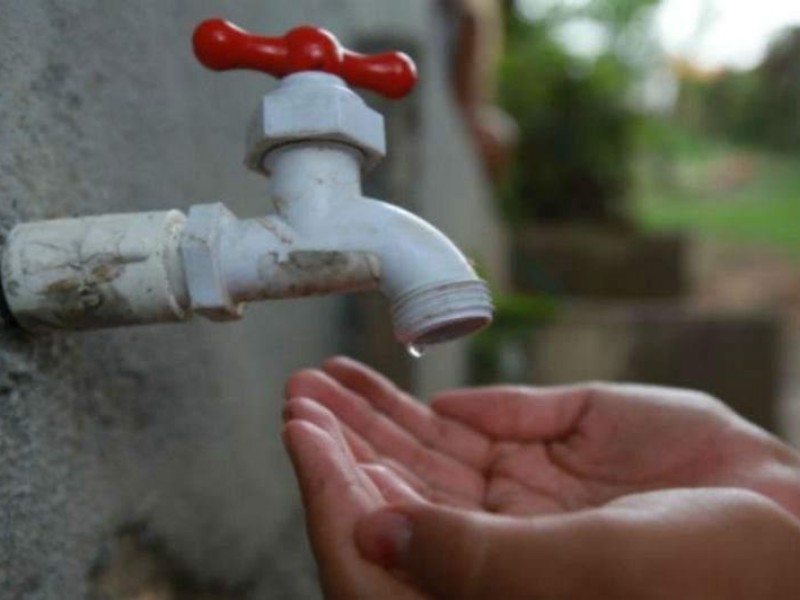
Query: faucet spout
{"points": [[434, 292]]}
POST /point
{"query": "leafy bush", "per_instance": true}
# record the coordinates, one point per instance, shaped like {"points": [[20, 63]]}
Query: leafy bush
{"points": [[759, 107], [576, 124]]}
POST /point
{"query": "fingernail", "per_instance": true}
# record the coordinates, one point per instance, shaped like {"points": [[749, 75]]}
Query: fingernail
{"points": [[385, 537]]}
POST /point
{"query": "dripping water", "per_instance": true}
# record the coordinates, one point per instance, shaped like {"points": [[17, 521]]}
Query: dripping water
{"points": [[416, 350]]}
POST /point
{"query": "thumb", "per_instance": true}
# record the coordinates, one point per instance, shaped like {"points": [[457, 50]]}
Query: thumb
{"points": [[456, 554]]}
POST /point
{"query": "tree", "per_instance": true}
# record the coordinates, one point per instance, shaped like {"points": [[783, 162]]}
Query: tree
{"points": [[576, 123]]}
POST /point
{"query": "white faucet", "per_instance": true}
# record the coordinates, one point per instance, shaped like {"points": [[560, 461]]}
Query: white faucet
{"points": [[313, 136]]}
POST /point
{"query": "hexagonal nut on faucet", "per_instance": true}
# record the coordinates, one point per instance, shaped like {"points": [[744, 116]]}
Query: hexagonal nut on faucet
{"points": [[200, 250], [314, 106]]}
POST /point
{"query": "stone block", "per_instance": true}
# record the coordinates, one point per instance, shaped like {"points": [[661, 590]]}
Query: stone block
{"points": [[735, 357], [599, 263]]}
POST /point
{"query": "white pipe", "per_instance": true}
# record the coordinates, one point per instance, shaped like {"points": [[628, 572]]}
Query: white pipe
{"points": [[94, 272], [324, 237], [263, 258]]}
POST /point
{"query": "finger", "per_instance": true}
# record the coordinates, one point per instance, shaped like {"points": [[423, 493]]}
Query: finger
{"points": [[325, 470], [430, 492], [362, 452], [313, 412], [393, 487], [336, 493], [432, 430], [411, 478], [454, 554], [386, 437], [309, 410], [516, 413]]}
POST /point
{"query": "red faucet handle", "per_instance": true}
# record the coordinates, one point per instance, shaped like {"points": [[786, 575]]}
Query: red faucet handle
{"points": [[221, 45]]}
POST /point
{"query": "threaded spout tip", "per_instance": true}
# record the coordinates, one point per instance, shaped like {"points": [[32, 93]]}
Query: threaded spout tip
{"points": [[442, 312]]}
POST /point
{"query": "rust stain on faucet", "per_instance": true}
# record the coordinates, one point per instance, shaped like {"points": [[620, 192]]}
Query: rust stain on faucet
{"points": [[87, 291], [313, 272]]}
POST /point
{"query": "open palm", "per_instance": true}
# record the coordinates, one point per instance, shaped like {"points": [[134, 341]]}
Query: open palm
{"points": [[527, 451]]}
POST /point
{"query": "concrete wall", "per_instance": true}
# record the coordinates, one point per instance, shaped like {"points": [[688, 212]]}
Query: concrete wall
{"points": [[148, 460]]}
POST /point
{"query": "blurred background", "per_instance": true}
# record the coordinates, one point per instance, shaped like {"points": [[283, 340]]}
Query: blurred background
{"points": [[652, 196], [623, 173]]}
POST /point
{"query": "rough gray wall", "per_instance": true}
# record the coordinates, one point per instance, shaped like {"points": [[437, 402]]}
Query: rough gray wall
{"points": [[162, 442]]}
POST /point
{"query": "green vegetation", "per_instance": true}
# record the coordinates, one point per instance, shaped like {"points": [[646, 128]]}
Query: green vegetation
{"points": [[756, 107], [516, 316], [727, 164], [576, 124], [721, 189]]}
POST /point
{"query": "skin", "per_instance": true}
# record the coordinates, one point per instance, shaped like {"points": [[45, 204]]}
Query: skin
{"points": [[521, 492]]}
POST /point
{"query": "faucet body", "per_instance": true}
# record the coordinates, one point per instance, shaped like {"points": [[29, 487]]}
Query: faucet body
{"points": [[314, 138], [322, 215]]}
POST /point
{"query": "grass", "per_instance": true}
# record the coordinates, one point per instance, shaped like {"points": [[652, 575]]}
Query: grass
{"points": [[715, 189]]}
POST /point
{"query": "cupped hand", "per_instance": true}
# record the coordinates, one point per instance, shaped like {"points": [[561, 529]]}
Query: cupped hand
{"points": [[697, 544], [405, 503], [337, 494], [521, 450]]}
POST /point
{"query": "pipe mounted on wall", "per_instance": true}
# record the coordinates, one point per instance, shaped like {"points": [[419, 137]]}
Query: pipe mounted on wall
{"points": [[313, 137]]}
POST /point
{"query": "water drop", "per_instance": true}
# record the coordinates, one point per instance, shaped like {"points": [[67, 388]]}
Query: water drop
{"points": [[416, 350]]}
